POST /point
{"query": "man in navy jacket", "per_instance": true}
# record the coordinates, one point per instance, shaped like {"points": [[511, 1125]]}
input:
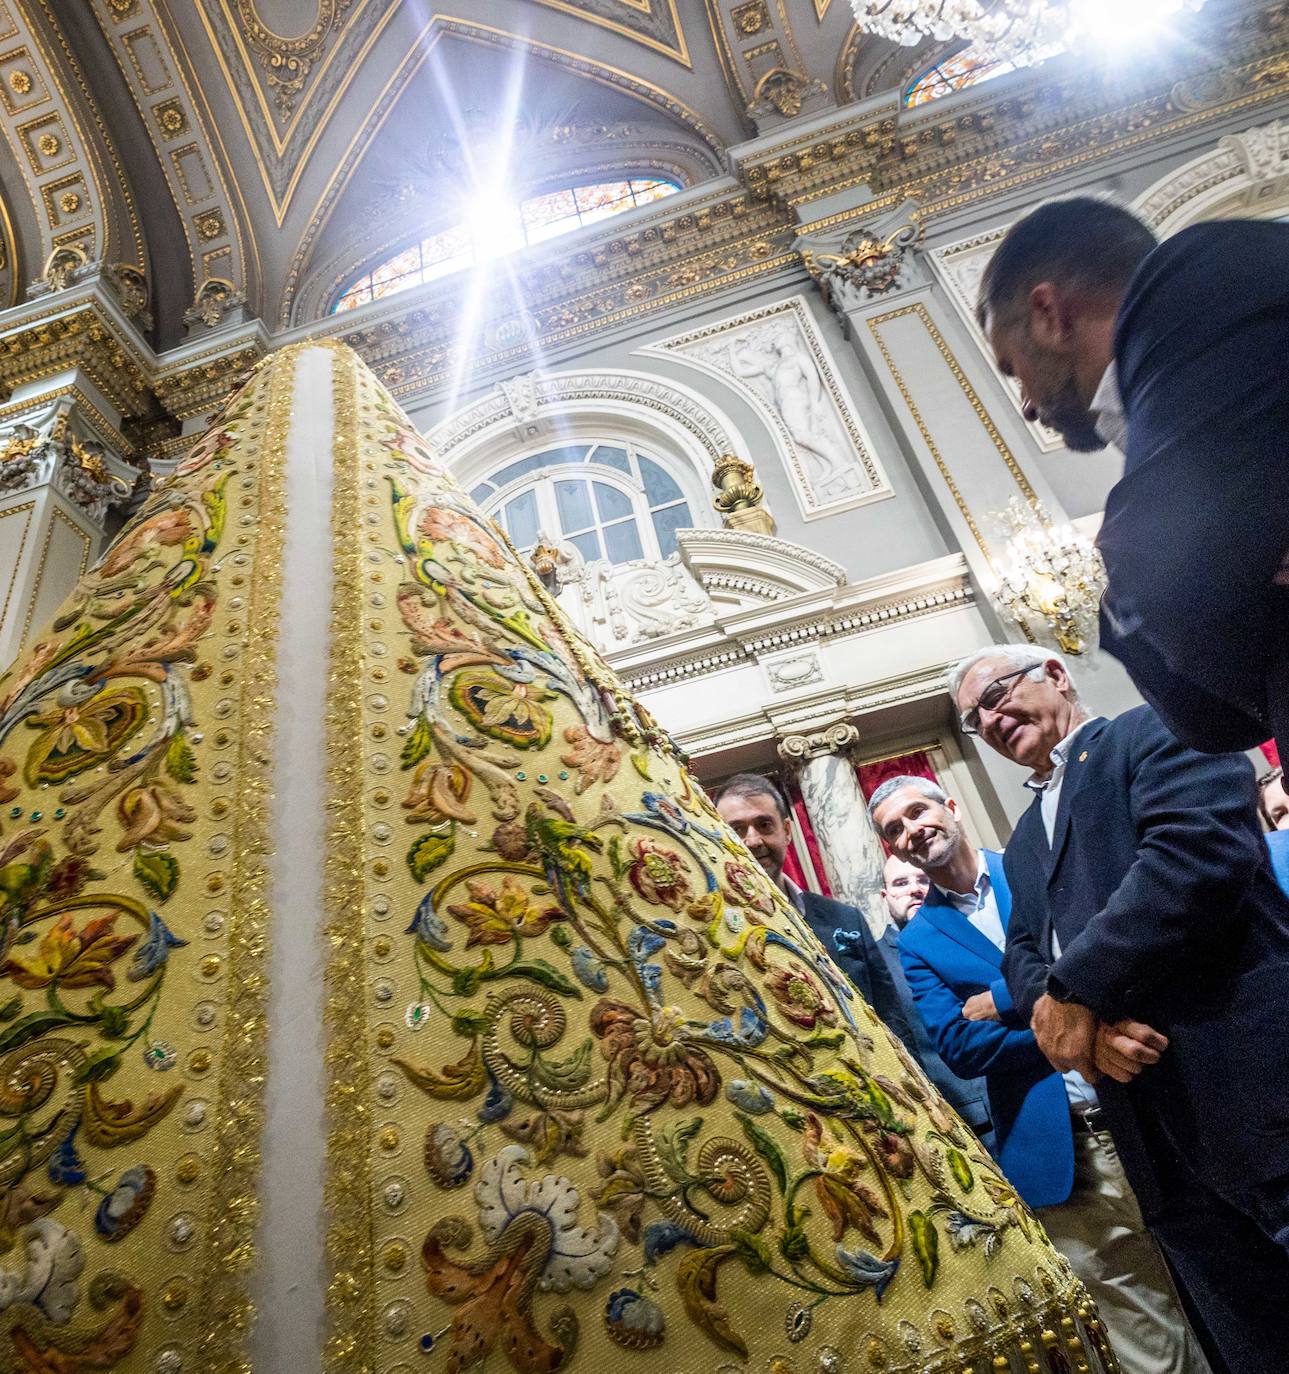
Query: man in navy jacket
{"points": [[1049, 1139], [1149, 944], [1175, 353]]}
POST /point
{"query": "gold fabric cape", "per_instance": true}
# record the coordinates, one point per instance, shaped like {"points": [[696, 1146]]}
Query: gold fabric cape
{"points": [[597, 1099]]}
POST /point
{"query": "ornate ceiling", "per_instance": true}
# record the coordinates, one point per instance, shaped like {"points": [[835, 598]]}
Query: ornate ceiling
{"points": [[264, 142]]}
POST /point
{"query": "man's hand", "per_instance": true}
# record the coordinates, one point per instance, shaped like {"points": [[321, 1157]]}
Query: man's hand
{"points": [[980, 1007], [1066, 1033], [1124, 1049]]}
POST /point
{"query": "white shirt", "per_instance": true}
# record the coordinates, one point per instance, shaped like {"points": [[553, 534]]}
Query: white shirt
{"points": [[1107, 407], [980, 906], [1082, 1095]]}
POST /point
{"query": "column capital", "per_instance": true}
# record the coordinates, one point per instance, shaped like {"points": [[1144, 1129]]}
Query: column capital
{"points": [[854, 266], [833, 739]]}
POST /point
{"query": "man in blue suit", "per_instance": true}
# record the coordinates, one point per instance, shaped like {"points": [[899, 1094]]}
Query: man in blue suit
{"points": [[1049, 1138], [1149, 943]]}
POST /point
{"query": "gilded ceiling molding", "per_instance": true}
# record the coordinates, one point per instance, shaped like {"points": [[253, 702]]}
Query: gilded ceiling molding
{"points": [[655, 23], [289, 61], [9, 267], [78, 189], [283, 155], [435, 29], [197, 174]]}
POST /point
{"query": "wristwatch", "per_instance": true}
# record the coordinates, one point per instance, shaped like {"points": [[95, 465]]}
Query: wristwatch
{"points": [[1057, 990]]}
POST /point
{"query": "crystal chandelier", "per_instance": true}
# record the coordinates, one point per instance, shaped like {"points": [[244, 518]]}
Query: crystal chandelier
{"points": [[1049, 580], [1014, 29]]}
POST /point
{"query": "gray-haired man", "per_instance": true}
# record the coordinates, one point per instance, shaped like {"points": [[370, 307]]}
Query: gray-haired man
{"points": [[1148, 948]]}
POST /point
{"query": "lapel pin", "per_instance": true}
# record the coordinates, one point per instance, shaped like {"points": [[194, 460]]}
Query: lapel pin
{"points": [[1083, 755]]}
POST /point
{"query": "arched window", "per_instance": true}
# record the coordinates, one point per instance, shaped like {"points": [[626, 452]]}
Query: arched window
{"points": [[963, 69], [609, 500], [503, 230]]}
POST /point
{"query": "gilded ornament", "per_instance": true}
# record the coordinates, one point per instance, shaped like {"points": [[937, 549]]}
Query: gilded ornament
{"points": [[49, 145], [171, 118], [19, 82], [69, 202]]}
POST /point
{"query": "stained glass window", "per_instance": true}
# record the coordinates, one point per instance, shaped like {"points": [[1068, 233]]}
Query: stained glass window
{"points": [[966, 68], [626, 506], [533, 220]]}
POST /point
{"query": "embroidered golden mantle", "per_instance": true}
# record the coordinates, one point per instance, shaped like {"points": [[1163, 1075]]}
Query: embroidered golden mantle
{"points": [[599, 1098]]}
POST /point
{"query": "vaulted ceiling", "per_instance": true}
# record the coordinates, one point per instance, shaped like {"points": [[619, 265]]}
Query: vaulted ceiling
{"points": [[275, 144]]}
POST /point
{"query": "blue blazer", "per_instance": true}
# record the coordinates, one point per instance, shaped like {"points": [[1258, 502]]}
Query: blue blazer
{"points": [[1278, 844], [946, 960]]}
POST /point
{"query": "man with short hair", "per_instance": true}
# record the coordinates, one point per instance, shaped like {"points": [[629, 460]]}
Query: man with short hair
{"points": [[1048, 1138], [1175, 353], [755, 810], [1149, 949], [904, 889]]}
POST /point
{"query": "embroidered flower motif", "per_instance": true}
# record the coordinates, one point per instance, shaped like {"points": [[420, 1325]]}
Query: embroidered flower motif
{"points": [[534, 1242], [418, 1015], [447, 1156], [71, 958], [159, 1055], [650, 1059], [77, 733], [658, 874], [429, 927], [746, 887], [439, 524], [50, 1260], [507, 710], [438, 793], [162, 530], [633, 1321], [595, 760], [799, 997], [153, 815], [153, 953], [751, 1097], [589, 970], [494, 915], [123, 1208], [846, 1201]]}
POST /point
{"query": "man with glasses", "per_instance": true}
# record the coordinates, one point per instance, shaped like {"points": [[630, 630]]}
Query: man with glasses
{"points": [[1048, 1136], [1148, 949]]}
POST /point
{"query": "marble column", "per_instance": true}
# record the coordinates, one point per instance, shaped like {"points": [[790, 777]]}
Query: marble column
{"points": [[58, 486], [852, 854]]}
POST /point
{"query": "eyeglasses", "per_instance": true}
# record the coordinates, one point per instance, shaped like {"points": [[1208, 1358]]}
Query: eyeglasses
{"points": [[992, 698]]}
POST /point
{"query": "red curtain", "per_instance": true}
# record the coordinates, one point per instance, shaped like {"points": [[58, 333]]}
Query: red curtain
{"points": [[803, 862], [1272, 753]]}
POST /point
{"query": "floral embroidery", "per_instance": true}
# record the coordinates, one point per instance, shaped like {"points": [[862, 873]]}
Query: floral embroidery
{"points": [[496, 915], [71, 958], [800, 998], [595, 760], [658, 874], [650, 1060]]}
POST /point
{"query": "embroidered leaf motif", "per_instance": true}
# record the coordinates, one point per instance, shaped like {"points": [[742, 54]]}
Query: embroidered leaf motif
{"points": [[457, 1082], [926, 1245], [427, 853], [158, 873], [181, 762], [766, 1148], [101, 1063], [417, 745], [696, 1281], [38, 1023], [673, 1147], [108, 1123], [545, 974], [566, 1075], [962, 1170], [11, 1009], [753, 1251]]}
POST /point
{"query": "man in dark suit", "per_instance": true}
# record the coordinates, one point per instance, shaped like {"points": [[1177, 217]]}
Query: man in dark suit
{"points": [[1149, 949], [754, 809], [1176, 353], [1049, 1139]]}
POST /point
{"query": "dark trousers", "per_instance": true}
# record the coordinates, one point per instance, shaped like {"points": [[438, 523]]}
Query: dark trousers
{"points": [[1231, 1251]]}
